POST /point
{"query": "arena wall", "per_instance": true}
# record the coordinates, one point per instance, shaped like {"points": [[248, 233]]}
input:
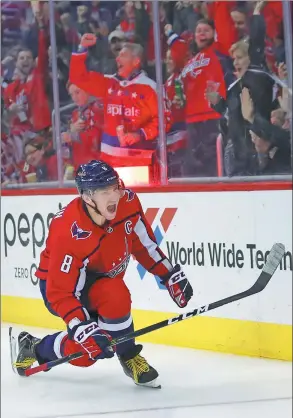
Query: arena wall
{"points": [[220, 237]]}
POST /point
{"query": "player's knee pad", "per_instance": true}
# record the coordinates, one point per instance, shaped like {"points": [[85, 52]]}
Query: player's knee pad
{"points": [[71, 347], [111, 298], [118, 306]]}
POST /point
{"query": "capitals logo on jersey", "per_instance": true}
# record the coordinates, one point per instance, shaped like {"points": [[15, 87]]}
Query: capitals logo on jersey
{"points": [[79, 233], [122, 264]]}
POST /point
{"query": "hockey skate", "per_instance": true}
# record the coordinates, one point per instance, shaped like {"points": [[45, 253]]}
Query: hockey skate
{"points": [[137, 368], [22, 351]]}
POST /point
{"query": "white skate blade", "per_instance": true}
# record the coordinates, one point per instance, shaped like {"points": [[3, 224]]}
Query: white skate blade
{"points": [[153, 384], [14, 347]]}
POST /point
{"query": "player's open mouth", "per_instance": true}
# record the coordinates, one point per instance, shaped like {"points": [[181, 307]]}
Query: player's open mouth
{"points": [[111, 208]]}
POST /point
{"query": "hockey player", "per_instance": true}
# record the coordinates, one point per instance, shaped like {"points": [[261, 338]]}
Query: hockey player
{"points": [[81, 274]]}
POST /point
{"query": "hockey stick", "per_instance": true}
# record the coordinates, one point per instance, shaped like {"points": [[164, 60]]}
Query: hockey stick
{"points": [[273, 260]]}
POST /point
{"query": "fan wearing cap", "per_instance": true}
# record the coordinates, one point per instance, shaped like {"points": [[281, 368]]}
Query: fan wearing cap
{"points": [[81, 274], [115, 44], [116, 39]]}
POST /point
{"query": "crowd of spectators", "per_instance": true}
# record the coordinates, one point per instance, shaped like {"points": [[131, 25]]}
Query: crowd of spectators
{"points": [[226, 95]]}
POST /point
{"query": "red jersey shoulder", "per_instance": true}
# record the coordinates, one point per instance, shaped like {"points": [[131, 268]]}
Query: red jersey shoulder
{"points": [[129, 205], [72, 222]]}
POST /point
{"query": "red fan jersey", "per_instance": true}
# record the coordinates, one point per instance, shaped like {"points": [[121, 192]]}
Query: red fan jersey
{"points": [[32, 93], [77, 246], [204, 67], [132, 103]]}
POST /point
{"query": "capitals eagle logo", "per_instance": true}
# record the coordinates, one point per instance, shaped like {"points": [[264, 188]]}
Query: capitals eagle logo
{"points": [[79, 233]]}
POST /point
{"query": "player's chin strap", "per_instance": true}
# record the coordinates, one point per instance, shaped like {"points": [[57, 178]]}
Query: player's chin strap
{"points": [[95, 207]]}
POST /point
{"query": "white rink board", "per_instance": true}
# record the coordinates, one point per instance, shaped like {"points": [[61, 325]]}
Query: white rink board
{"points": [[202, 220]]}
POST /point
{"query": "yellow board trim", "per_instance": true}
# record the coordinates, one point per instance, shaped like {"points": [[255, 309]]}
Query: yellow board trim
{"points": [[258, 339]]}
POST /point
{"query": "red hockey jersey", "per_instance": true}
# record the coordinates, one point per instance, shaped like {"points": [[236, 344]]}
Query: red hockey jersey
{"points": [[203, 67], [32, 93], [76, 245]]}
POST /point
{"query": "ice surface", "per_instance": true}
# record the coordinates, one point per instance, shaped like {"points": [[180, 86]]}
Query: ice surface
{"points": [[194, 384]]}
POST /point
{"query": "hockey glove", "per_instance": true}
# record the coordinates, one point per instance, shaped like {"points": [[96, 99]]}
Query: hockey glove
{"points": [[92, 338], [178, 286]]}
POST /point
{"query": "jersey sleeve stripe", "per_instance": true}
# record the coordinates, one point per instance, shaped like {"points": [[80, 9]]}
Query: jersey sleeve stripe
{"points": [[87, 315], [146, 241], [156, 264], [163, 261], [167, 264], [80, 282]]}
